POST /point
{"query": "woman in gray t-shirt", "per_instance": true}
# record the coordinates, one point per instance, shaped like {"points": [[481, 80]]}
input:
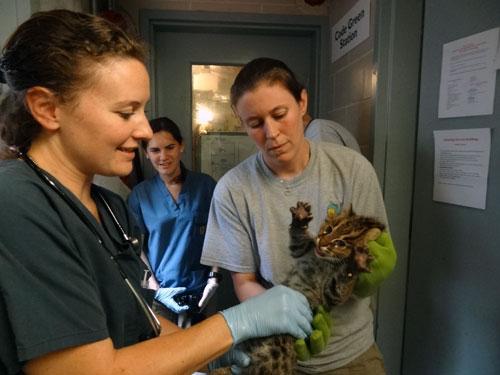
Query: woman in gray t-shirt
{"points": [[247, 231]]}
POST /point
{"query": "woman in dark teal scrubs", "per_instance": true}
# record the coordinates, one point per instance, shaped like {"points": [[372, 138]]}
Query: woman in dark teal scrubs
{"points": [[70, 275]]}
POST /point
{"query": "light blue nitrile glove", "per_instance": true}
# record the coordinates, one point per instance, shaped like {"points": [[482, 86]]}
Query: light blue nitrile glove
{"points": [[279, 310], [384, 259], [166, 297], [234, 358]]}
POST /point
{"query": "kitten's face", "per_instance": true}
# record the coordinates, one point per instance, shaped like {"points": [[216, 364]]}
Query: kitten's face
{"points": [[345, 235]]}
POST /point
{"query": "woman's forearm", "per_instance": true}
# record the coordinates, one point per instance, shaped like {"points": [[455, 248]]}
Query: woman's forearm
{"points": [[166, 354], [246, 285], [206, 341]]}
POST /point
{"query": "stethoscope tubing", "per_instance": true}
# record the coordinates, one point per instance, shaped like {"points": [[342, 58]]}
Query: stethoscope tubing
{"points": [[131, 241]]}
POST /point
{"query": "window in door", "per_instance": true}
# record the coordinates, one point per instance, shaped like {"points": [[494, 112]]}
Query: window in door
{"points": [[219, 141]]}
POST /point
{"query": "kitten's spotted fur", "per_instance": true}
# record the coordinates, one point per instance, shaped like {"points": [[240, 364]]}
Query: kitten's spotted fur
{"points": [[326, 271]]}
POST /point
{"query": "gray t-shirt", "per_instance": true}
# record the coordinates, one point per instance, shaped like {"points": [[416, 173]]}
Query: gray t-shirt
{"points": [[248, 224]]}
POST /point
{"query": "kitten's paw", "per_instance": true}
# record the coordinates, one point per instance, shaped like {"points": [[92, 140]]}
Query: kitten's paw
{"points": [[301, 214]]}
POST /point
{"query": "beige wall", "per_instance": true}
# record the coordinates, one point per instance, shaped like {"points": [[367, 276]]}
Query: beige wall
{"points": [[352, 81], [295, 7]]}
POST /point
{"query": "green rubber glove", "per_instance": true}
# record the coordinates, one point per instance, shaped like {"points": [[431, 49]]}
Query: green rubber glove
{"points": [[319, 324], [318, 339], [384, 260], [302, 351], [316, 342]]}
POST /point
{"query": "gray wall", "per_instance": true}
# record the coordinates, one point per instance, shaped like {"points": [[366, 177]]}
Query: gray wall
{"points": [[351, 82], [12, 13], [453, 305], [15, 12]]}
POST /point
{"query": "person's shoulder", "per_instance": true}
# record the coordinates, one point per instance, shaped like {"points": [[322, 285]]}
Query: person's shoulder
{"points": [[24, 194], [16, 180], [201, 177], [144, 186], [331, 131], [200, 183], [140, 192], [322, 121], [340, 154], [238, 178], [242, 171], [335, 148], [11, 168], [318, 124], [332, 148]]}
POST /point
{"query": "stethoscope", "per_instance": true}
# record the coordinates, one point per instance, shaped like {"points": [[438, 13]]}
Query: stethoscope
{"points": [[132, 241]]}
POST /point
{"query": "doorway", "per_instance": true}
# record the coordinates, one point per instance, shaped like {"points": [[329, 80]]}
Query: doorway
{"points": [[179, 40]]}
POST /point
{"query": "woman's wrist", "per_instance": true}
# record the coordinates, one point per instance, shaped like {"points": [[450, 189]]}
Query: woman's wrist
{"points": [[216, 275]]}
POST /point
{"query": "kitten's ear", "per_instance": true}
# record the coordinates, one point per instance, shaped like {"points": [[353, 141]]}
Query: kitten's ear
{"points": [[345, 213]]}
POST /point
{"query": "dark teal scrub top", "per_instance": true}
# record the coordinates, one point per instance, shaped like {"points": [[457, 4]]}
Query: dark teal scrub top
{"points": [[59, 287]]}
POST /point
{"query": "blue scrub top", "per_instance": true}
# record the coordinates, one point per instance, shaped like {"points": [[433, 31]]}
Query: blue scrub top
{"points": [[175, 230]]}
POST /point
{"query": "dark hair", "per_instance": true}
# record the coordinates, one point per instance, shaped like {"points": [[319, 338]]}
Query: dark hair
{"points": [[164, 124], [57, 50], [265, 69]]}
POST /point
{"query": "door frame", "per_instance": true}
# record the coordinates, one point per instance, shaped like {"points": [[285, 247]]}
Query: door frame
{"points": [[152, 21], [397, 61]]}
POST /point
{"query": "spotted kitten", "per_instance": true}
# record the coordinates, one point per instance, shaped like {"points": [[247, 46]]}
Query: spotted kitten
{"points": [[326, 271]]}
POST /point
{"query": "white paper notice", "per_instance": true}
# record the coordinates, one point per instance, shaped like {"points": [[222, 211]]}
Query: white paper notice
{"points": [[461, 166], [468, 75]]}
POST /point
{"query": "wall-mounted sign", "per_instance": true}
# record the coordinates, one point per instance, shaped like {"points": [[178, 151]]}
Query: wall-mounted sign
{"points": [[461, 164], [351, 30], [468, 75]]}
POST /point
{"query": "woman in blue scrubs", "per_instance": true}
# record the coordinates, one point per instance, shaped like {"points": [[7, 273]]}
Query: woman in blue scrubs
{"points": [[172, 209]]}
